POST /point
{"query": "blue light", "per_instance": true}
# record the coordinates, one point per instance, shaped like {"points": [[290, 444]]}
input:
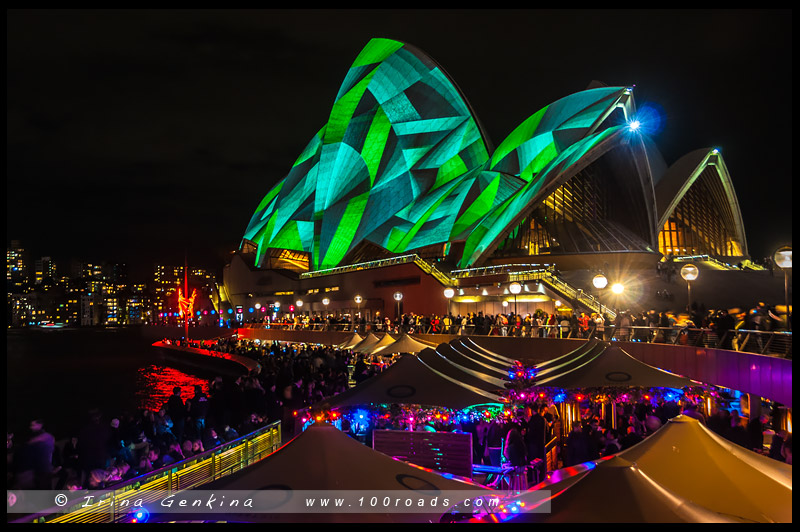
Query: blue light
{"points": [[560, 398], [141, 515], [213, 312], [250, 309], [230, 311], [648, 120], [198, 312]]}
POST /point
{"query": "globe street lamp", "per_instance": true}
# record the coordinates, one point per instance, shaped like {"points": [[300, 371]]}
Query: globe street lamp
{"points": [[358, 300], [515, 288], [398, 297], [783, 259], [449, 293], [689, 272], [599, 281], [326, 302]]}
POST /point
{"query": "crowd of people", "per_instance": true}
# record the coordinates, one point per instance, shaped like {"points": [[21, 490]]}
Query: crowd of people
{"points": [[115, 446], [643, 326], [112, 447]]}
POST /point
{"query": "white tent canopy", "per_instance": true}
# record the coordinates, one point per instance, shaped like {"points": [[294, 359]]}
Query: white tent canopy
{"points": [[366, 344], [379, 347], [404, 344], [689, 459], [324, 458], [613, 491], [350, 342], [411, 381]]}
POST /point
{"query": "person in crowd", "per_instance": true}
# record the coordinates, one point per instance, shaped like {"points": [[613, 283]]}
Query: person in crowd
{"points": [[631, 438], [737, 433], [176, 410], [197, 409], [186, 448], [536, 433], [514, 451], [786, 450], [577, 447], [690, 410], [776, 445], [612, 444]]}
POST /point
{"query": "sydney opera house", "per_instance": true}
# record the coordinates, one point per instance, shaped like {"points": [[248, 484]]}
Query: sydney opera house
{"points": [[401, 194]]}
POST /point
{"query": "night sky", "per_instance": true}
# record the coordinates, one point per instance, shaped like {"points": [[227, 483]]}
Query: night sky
{"points": [[139, 136]]}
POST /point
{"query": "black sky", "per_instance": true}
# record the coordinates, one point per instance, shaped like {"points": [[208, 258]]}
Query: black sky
{"points": [[137, 136]]}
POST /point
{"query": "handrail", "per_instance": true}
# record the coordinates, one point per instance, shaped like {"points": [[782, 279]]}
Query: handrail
{"points": [[381, 263], [496, 269], [745, 263], [559, 285], [432, 270], [742, 340], [186, 474]]}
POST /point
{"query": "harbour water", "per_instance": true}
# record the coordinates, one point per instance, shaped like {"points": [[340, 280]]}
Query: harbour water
{"points": [[59, 375]]}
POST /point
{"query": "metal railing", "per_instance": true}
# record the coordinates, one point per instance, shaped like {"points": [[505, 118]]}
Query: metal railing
{"points": [[382, 263], [777, 343], [497, 269], [568, 291], [113, 505], [746, 263]]}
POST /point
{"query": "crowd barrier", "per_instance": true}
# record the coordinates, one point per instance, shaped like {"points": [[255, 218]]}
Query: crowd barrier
{"points": [[113, 505]]}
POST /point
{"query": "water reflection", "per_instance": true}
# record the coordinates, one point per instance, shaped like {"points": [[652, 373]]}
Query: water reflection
{"points": [[154, 385]]}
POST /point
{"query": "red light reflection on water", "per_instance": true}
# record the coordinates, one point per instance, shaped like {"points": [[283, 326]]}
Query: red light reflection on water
{"points": [[155, 384]]}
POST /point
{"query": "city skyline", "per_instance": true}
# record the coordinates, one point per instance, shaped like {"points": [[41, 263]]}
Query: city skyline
{"points": [[132, 134]]}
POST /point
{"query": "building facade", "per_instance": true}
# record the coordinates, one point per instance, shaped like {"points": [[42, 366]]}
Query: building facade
{"points": [[403, 167]]}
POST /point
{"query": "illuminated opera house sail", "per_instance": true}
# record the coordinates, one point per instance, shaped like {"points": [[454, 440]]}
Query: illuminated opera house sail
{"points": [[403, 166]]}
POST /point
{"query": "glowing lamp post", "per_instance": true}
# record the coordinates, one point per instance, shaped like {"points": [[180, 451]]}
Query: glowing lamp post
{"points": [[358, 300], [783, 259], [449, 293], [398, 297], [326, 301], [599, 281], [689, 272], [515, 288]]}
